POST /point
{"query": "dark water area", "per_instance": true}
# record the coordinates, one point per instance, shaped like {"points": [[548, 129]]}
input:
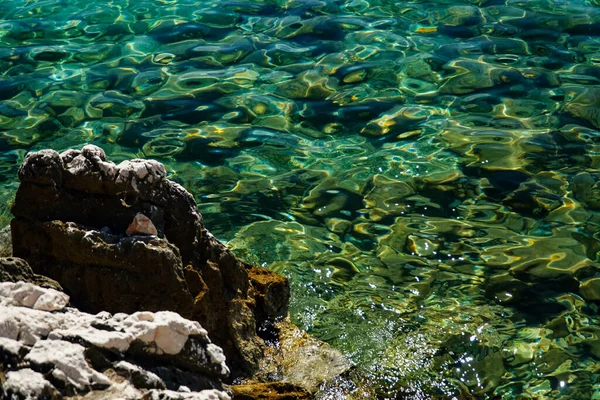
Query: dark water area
{"points": [[424, 172]]}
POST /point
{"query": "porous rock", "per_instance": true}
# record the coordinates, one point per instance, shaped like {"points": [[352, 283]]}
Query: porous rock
{"points": [[13, 269], [271, 293], [71, 213], [104, 272]]}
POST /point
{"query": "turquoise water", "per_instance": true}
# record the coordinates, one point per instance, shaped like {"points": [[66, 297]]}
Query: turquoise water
{"points": [[426, 173]]}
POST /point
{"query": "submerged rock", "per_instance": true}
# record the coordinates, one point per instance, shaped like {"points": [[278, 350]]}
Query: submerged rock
{"points": [[270, 391], [300, 360], [73, 212]]}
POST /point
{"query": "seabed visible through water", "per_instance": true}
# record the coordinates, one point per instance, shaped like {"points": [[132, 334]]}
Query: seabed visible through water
{"points": [[425, 172]]}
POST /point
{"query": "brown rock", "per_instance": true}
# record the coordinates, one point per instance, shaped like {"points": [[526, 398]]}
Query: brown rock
{"points": [[13, 269], [270, 391], [104, 272], [272, 293], [72, 211]]}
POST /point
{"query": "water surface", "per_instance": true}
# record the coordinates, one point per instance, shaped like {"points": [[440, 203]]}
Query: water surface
{"points": [[425, 172]]}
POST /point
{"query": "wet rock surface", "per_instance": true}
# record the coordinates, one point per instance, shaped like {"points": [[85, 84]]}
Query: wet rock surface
{"points": [[301, 360], [72, 211], [270, 391]]}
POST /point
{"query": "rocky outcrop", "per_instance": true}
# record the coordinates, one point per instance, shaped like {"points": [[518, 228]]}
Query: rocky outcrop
{"points": [[72, 213], [150, 285], [50, 351]]}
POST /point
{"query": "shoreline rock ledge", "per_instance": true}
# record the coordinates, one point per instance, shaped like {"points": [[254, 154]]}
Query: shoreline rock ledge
{"points": [[72, 223]]}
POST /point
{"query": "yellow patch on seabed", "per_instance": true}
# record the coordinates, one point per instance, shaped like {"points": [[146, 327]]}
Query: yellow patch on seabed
{"points": [[426, 29]]}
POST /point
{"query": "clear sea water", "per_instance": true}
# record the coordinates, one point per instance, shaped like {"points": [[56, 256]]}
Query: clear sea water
{"points": [[424, 172]]}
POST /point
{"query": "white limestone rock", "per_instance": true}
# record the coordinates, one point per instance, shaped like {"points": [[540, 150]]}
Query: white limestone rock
{"points": [[172, 395], [166, 329], [29, 326], [58, 340], [9, 324], [115, 340], [11, 353], [10, 346], [164, 332], [137, 171], [217, 357], [27, 384], [25, 294], [69, 363]]}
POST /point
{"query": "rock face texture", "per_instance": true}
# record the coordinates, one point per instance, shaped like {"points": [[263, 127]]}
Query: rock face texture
{"points": [[5, 242], [72, 212], [25, 294], [50, 351], [13, 269]]}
